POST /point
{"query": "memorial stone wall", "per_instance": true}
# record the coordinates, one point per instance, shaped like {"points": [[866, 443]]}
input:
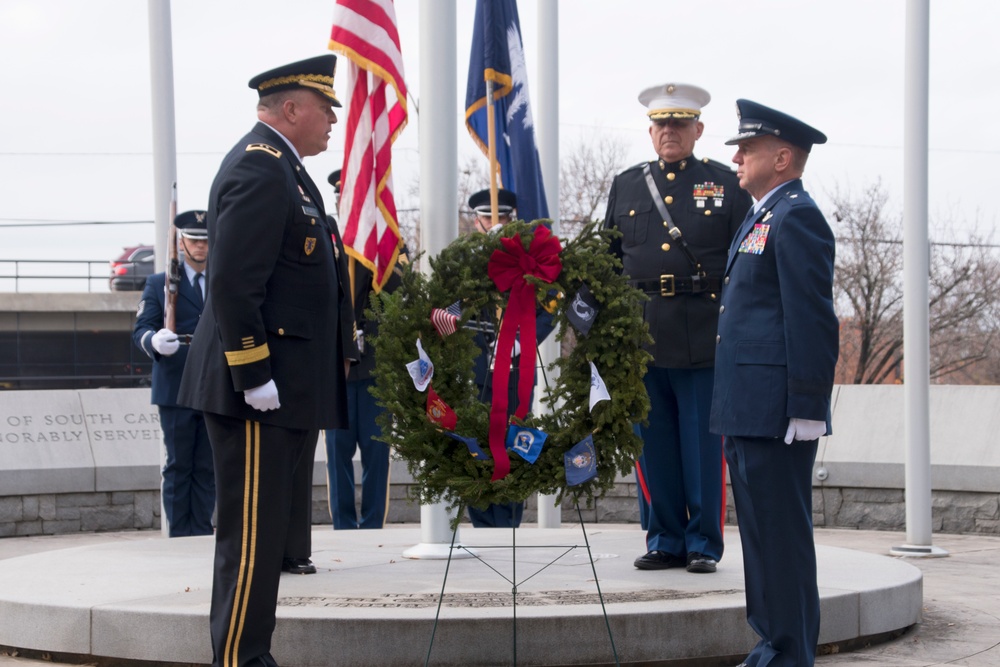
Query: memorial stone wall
{"points": [[89, 460]]}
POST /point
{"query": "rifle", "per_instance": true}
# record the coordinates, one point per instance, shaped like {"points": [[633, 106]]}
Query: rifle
{"points": [[173, 275]]}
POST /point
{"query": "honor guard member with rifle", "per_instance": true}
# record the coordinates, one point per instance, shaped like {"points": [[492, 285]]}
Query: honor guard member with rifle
{"points": [[188, 479], [677, 215], [777, 350], [498, 515], [363, 410], [267, 363]]}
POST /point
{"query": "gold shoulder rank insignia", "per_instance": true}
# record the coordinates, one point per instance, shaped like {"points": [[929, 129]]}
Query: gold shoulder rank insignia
{"points": [[270, 150]]}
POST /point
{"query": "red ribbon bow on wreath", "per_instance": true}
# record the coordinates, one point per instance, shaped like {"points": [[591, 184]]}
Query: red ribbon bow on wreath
{"points": [[508, 267]]}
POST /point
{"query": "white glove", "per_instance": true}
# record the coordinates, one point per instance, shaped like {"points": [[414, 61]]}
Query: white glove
{"points": [[516, 350], [804, 429], [263, 398], [165, 342]]}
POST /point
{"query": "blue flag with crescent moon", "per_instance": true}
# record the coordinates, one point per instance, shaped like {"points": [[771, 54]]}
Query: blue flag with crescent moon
{"points": [[498, 55]]}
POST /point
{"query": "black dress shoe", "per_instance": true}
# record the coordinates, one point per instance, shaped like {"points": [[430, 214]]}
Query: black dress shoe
{"points": [[298, 566], [658, 560], [700, 563]]}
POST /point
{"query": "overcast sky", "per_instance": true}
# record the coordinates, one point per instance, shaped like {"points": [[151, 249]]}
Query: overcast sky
{"points": [[76, 128]]}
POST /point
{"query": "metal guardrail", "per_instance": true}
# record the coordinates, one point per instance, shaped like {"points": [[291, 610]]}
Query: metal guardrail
{"points": [[19, 275]]}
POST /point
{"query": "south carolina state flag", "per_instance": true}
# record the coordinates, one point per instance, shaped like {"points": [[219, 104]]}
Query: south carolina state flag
{"points": [[498, 55]]}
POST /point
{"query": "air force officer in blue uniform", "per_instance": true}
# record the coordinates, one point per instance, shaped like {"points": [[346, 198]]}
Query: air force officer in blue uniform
{"points": [[776, 351], [188, 478]]}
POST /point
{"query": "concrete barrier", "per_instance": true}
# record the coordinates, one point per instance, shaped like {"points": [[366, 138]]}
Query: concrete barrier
{"points": [[88, 460]]}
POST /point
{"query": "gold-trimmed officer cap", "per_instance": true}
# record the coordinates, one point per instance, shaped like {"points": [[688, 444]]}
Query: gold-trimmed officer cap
{"points": [[313, 73], [506, 202], [757, 120], [674, 100], [192, 224]]}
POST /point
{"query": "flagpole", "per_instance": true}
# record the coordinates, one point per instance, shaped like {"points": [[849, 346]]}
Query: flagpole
{"points": [[438, 194], [491, 133], [916, 253], [164, 144]]}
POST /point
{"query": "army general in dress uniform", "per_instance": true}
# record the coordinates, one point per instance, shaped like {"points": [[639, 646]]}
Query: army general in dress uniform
{"points": [[267, 364], [777, 349], [677, 215]]}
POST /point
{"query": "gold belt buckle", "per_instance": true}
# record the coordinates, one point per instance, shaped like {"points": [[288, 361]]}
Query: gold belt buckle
{"points": [[667, 279]]}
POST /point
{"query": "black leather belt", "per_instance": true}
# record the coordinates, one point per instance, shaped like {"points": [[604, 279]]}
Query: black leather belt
{"points": [[670, 285]]}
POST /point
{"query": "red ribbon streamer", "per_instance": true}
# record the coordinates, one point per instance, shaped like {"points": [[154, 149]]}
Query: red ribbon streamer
{"points": [[508, 267]]}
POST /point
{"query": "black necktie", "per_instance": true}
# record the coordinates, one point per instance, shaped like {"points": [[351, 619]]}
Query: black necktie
{"points": [[199, 297]]}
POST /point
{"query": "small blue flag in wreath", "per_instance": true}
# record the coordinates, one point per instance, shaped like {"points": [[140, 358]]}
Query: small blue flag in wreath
{"points": [[527, 442], [477, 452], [581, 462]]}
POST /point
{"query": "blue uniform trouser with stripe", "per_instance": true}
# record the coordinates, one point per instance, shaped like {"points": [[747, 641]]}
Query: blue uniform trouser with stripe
{"points": [[682, 464], [772, 489], [363, 433], [256, 467]]}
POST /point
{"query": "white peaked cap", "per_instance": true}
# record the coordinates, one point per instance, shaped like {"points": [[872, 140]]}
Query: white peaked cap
{"points": [[674, 100]]}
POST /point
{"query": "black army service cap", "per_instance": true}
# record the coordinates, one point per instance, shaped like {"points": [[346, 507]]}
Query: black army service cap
{"points": [[313, 73], [506, 202], [757, 120], [192, 224]]}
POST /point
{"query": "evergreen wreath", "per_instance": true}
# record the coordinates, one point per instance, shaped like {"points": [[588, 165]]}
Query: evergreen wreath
{"points": [[442, 467]]}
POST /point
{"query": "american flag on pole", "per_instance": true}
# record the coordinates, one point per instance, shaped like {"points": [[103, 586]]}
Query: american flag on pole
{"points": [[365, 32]]}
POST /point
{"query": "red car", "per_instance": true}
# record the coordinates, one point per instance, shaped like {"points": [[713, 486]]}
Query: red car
{"points": [[129, 271]]}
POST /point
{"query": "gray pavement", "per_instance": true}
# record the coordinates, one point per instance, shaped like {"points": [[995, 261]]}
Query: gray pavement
{"points": [[961, 593]]}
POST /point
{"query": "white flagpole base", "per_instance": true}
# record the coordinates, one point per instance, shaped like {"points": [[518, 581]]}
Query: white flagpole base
{"points": [[549, 516], [918, 551], [436, 536]]}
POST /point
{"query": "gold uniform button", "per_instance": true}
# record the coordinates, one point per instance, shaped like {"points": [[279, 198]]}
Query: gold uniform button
{"points": [[632, 212], [665, 246], [281, 331], [669, 199], [312, 221], [671, 176], [708, 211]]}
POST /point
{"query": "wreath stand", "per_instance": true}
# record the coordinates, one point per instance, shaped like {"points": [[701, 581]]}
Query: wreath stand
{"points": [[515, 583]]}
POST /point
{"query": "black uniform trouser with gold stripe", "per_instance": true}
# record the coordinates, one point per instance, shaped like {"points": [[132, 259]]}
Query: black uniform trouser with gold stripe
{"points": [[256, 468]]}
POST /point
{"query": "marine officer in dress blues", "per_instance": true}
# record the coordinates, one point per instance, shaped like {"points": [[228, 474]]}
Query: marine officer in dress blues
{"points": [[677, 216], [188, 477], [777, 348], [269, 358]]}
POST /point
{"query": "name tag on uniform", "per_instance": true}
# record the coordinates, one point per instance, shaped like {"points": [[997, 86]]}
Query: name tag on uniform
{"points": [[311, 211], [755, 241]]}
